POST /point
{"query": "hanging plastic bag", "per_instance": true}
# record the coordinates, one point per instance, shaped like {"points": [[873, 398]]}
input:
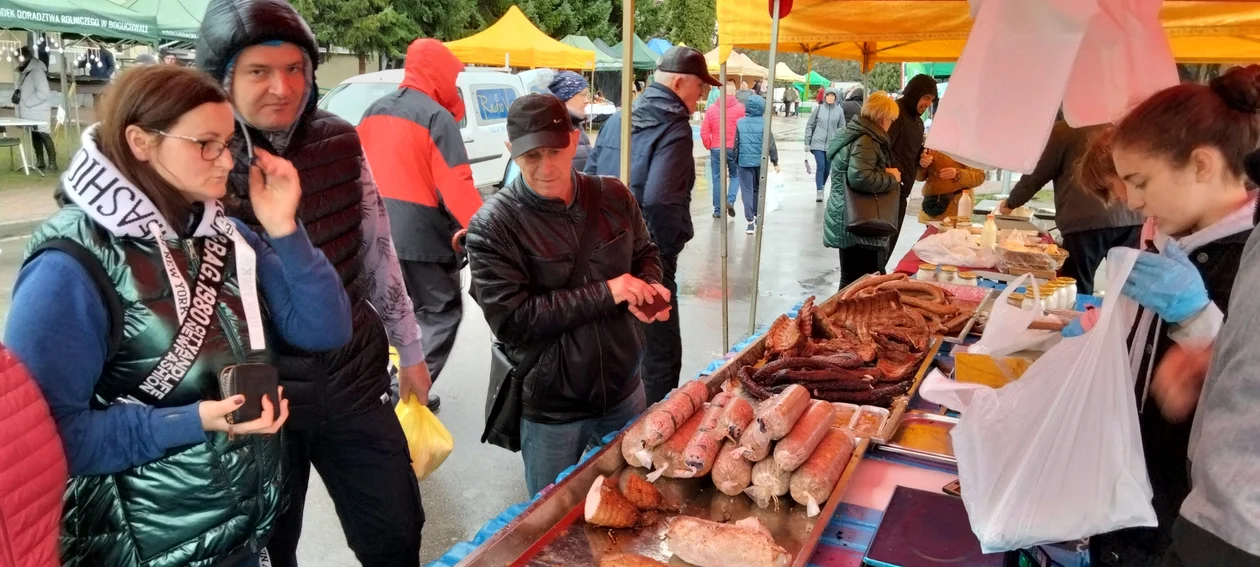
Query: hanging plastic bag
{"points": [[955, 247], [1056, 455], [1006, 331], [427, 439], [776, 185]]}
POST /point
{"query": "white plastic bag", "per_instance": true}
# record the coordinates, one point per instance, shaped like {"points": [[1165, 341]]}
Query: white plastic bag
{"points": [[1056, 455], [776, 185], [955, 248], [1006, 331]]}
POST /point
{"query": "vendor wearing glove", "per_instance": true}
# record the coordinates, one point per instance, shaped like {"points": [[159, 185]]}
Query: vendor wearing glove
{"points": [[1179, 159]]}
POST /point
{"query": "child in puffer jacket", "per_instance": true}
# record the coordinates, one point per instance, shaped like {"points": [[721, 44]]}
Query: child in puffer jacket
{"points": [[748, 134]]}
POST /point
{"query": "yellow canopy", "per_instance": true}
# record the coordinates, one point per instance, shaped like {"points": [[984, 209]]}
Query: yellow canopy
{"points": [[872, 31], [737, 64], [515, 41]]}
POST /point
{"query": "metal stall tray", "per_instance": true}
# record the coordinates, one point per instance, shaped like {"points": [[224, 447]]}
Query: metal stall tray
{"points": [[924, 436]]}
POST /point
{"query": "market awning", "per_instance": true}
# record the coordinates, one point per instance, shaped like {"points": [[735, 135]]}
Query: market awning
{"points": [[603, 61], [784, 73], [872, 31], [515, 41], [96, 18], [737, 65], [176, 19], [659, 46], [644, 58], [816, 80]]}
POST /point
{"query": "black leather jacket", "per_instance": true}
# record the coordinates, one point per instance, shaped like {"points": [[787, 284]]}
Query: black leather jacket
{"points": [[521, 250]]}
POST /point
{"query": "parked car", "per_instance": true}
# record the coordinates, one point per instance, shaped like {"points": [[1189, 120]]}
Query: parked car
{"points": [[487, 94]]}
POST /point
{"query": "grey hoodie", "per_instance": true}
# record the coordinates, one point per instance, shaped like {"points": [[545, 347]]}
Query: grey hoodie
{"points": [[824, 122]]}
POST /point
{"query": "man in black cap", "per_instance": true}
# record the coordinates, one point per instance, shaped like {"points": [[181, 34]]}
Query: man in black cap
{"points": [[563, 262], [662, 174]]}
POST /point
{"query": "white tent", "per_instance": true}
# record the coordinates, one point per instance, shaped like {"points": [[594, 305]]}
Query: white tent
{"points": [[737, 64], [785, 74]]}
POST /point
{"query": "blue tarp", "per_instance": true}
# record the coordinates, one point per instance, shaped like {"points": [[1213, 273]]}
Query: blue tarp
{"points": [[660, 46]]}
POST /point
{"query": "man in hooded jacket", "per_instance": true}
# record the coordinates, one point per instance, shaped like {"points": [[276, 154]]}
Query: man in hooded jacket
{"points": [[907, 135], [412, 141], [662, 175], [340, 418]]}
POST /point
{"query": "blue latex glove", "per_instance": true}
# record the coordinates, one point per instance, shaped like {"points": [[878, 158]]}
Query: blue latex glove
{"points": [[1074, 329], [1167, 284]]}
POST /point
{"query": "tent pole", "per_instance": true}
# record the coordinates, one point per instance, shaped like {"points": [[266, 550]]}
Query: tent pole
{"points": [[723, 183], [766, 136], [809, 70], [627, 81]]}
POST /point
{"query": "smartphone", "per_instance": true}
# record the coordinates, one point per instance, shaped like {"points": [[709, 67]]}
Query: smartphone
{"points": [[253, 381], [953, 489]]}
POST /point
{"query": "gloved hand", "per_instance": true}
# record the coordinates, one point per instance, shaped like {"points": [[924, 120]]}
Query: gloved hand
{"points": [[1167, 284], [1082, 324]]}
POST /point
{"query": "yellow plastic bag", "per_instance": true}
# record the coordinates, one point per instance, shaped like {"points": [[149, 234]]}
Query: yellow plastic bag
{"points": [[427, 439]]}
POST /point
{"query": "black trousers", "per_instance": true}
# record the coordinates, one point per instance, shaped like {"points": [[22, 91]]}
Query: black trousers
{"points": [[662, 363], [42, 142], [436, 295], [1196, 547], [858, 261], [364, 463], [1086, 250]]}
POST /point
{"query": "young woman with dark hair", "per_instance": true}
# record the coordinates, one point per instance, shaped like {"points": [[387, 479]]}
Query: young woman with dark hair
{"points": [[132, 302], [1178, 158]]}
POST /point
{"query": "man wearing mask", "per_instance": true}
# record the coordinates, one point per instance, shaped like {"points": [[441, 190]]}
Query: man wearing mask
{"points": [[412, 142], [340, 418], [587, 384], [907, 135], [662, 175]]}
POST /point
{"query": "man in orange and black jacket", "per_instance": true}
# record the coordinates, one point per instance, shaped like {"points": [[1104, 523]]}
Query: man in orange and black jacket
{"points": [[413, 145]]}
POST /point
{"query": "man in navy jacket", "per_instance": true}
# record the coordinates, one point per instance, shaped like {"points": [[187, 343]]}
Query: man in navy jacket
{"points": [[662, 174]]}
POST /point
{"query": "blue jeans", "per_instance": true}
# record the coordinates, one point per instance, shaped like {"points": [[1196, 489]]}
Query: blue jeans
{"points": [[822, 168], [549, 448], [715, 158], [749, 182]]}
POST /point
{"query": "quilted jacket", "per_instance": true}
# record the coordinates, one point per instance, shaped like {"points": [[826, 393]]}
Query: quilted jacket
{"points": [[32, 471]]}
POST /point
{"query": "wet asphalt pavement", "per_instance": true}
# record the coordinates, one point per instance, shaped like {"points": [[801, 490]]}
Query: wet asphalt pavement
{"points": [[478, 481]]}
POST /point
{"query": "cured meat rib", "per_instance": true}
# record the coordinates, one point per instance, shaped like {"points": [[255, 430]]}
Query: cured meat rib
{"points": [[805, 318]]}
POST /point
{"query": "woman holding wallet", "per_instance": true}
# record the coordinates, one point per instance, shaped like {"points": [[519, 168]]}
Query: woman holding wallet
{"points": [[141, 308]]}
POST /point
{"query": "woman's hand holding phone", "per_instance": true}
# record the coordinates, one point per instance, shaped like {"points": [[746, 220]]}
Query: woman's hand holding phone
{"points": [[214, 415]]}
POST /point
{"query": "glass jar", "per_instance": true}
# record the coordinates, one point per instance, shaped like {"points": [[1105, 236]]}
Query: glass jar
{"points": [[948, 275], [926, 273], [969, 279], [1069, 285], [1016, 299], [1056, 296], [1028, 302]]}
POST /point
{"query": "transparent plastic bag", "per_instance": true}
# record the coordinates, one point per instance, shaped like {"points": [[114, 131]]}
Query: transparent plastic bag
{"points": [[428, 441], [1056, 455], [1006, 330], [955, 248]]}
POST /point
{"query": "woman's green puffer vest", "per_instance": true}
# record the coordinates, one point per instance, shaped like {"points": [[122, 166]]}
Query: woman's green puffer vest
{"points": [[201, 505]]}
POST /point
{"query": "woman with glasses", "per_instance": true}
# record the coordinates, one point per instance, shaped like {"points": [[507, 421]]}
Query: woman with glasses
{"points": [[141, 310]]}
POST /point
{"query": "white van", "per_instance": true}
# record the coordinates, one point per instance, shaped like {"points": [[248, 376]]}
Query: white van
{"points": [[487, 94]]}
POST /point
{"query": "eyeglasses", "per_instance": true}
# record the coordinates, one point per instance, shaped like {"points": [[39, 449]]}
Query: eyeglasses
{"points": [[210, 149]]}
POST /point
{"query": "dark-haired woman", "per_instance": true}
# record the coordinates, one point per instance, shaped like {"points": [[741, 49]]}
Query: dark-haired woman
{"points": [[132, 301], [1179, 159]]}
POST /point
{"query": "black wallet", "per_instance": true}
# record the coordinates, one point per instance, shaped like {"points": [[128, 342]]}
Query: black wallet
{"points": [[253, 381]]}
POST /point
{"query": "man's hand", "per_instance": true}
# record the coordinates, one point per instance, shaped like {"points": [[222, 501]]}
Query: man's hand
{"points": [[776, 168], [274, 190], [1179, 380], [662, 294], [414, 380], [925, 159], [457, 241], [1003, 208], [948, 173], [629, 289], [894, 172]]}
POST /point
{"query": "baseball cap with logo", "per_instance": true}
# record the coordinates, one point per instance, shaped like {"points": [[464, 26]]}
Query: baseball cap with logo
{"points": [[538, 121], [687, 61]]}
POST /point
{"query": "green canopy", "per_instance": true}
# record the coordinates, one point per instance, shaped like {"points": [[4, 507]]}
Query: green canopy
{"points": [[97, 18], [816, 80], [644, 57], [176, 19], [936, 70], [603, 61]]}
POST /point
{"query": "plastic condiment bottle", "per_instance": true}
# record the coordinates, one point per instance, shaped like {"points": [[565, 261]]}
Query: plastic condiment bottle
{"points": [[989, 234], [965, 205]]}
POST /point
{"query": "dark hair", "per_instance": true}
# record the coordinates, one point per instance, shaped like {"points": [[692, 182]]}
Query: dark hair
{"points": [[1174, 122], [142, 97], [1096, 171]]}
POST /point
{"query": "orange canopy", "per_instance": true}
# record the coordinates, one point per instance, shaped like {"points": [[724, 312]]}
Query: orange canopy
{"points": [[516, 42], [872, 31]]}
